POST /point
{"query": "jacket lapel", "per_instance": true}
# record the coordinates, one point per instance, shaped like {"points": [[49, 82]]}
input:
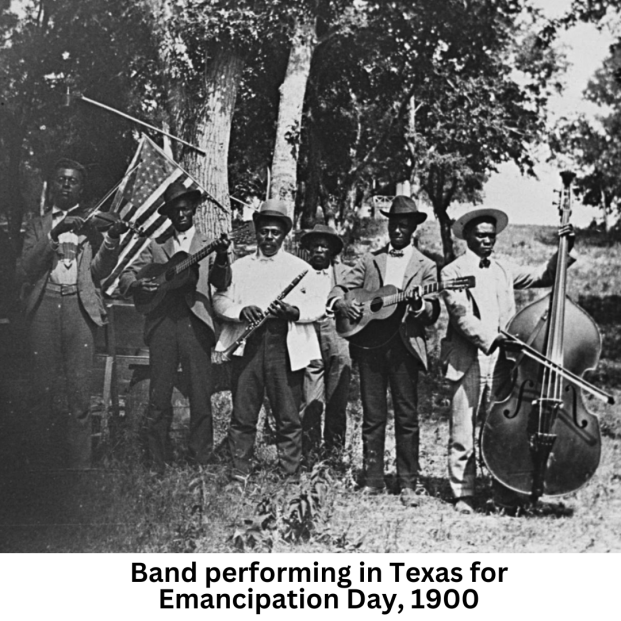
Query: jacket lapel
{"points": [[412, 268], [168, 247], [380, 265]]}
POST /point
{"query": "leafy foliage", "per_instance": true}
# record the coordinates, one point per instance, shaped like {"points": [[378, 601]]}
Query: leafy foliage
{"points": [[595, 146]]}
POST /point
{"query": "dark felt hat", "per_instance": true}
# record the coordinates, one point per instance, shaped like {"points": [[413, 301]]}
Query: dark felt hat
{"points": [[274, 208], [499, 217], [175, 191], [322, 230], [405, 206]]}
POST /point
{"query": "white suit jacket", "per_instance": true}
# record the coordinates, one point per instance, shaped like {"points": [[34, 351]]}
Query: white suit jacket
{"points": [[467, 334]]}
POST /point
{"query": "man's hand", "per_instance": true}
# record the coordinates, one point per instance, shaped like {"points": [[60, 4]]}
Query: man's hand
{"points": [[506, 343], [117, 229], [282, 310], [349, 308], [70, 223], [222, 249], [569, 232], [251, 314], [143, 285], [416, 302]]}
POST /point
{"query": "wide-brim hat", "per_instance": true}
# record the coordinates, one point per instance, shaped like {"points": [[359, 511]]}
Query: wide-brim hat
{"points": [[500, 217], [322, 230], [405, 206], [274, 208], [175, 191]]}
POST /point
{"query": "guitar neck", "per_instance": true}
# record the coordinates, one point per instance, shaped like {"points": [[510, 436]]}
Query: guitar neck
{"points": [[402, 296], [196, 257]]}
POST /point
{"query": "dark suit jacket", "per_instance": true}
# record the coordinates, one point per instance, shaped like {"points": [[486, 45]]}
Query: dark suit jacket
{"points": [[369, 273], [199, 299], [95, 263]]}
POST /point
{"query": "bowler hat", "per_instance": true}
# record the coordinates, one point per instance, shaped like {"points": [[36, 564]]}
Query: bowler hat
{"points": [[322, 230], [405, 206], [175, 191], [273, 208], [499, 217]]}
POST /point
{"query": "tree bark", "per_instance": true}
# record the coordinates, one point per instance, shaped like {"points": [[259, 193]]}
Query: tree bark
{"points": [[445, 233], [212, 132], [313, 187], [207, 126], [292, 90]]}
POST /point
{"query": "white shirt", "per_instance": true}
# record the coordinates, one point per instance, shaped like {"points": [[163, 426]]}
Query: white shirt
{"points": [[182, 240], [65, 267], [489, 285], [257, 281], [396, 266]]}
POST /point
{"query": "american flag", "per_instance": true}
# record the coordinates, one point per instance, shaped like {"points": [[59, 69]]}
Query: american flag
{"points": [[138, 198]]}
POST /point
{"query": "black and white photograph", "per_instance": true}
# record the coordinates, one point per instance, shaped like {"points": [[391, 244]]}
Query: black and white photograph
{"points": [[310, 276]]}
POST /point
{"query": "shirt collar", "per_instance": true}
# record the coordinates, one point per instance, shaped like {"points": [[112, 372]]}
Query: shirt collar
{"points": [[185, 234], [474, 259], [57, 212], [407, 251], [259, 256]]}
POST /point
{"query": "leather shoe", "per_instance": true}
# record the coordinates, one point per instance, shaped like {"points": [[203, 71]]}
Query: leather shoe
{"points": [[367, 490], [409, 498], [465, 505]]}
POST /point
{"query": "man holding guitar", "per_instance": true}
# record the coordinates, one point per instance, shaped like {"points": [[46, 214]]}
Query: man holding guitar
{"points": [[397, 361], [180, 328]]}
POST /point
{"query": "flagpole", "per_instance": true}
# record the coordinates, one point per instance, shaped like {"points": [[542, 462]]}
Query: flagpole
{"points": [[135, 120]]}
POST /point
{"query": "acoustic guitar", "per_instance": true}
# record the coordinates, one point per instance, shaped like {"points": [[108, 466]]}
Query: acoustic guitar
{"points": [[383, 310], [174, 274]]}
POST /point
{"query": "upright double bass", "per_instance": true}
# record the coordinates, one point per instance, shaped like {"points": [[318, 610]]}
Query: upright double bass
{"points": [[542, 439]]}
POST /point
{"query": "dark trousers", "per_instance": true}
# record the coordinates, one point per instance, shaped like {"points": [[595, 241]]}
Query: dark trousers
{"points": [[326, 389], [265, 367], [180, 337], [390, 365], [62, 341]]}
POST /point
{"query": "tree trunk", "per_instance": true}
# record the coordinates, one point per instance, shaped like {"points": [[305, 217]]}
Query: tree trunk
{"points": [[313, 185], [212, 133], [445, 233], [292, 90]]}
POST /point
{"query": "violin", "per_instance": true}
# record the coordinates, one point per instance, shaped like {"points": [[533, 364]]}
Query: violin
{"points": [[542, 439], [103, 220]]}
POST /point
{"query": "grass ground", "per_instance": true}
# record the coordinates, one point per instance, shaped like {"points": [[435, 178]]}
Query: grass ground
{"points": [[121, 507]]}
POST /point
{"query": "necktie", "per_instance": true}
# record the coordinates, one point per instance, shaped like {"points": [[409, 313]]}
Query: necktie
{"points": [[484, 263], [396, 253]]}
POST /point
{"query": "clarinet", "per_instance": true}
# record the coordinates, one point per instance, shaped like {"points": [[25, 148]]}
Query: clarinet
{"points": [[218, 357]]}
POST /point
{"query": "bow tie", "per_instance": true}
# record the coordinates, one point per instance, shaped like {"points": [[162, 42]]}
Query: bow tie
{"points": [[484, 263], [396, 253]]}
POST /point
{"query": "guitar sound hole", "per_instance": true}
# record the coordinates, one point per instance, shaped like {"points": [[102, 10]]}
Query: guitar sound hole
{"points": [[376, 305]]}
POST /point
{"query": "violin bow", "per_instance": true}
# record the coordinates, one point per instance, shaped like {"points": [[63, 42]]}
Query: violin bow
{"points": [[568, 375]]}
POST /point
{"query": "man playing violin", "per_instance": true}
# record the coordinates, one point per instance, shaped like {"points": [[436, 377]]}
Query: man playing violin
{"points": [[274, 357], [181, 329], [398, 362], [474, 348], [64, 261]]}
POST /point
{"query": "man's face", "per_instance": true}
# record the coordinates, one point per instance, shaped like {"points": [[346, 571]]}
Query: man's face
{"points": [[400, 230], [181, 213], [481, 238], [271, 233], [67, 185], [321, 253]]}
